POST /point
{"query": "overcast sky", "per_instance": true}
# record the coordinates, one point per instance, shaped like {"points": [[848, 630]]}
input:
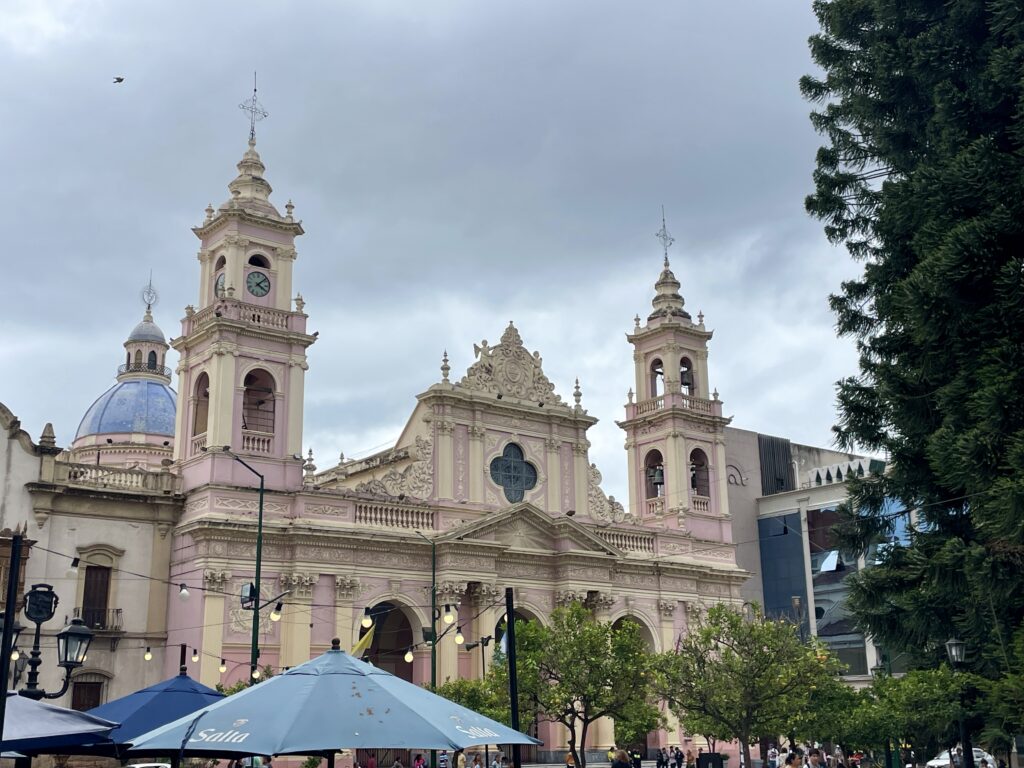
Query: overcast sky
{"points": [[456, 165]]}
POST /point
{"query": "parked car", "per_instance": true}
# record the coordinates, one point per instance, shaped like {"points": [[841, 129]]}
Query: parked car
{"points": [[942, 759]]}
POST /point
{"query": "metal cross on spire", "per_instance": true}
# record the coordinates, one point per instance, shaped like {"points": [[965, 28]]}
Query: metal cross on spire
{"points": [[149, 294], [255, 110], [663, 235]]}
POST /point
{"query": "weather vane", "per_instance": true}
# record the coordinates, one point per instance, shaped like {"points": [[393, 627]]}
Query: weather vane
{"points": [[149, 294], [255, 110], [663, 235]]}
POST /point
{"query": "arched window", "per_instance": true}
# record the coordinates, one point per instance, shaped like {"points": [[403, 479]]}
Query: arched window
{"points": [[151, 361], [258, 402], [686, 380], [219, 265], [138, 358], [259, 260], [657, 377], [700, 482], [128, 359], [654, 475], [201, 410]]}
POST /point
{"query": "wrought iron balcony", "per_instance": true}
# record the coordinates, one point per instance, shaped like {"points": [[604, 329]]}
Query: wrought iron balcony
{"points": [[101, 619], [155, 370]]}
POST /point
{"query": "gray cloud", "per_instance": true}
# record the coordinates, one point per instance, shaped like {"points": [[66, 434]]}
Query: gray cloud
{"points": [[456, 165]]}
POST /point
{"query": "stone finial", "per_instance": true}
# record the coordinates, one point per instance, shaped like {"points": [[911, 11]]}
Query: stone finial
{"points": [[445, 368], [341, 457], [48, 439], [629, 396], [700, 318], [190, 310], [288, 208], [209, 213], [714, 395], [577, 393], [300, 303], [308, 466], [636, 322]]}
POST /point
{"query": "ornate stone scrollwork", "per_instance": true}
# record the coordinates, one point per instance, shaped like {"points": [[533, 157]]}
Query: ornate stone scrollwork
{"points": [[601, 506], [215, 580], [600, 601], [509, 370], [346, 587], [565, 597], [299, 584], [416, 480], [667, 608], [451, 592]]}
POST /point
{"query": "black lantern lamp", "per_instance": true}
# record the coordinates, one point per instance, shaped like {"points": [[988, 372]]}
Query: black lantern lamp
{"points": [[72, 641], [956, 649]]}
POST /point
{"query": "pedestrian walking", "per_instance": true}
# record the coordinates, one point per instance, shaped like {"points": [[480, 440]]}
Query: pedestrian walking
{"points": [[419, 762], [691, 759], [659, 758], [460, 759], [570, 761], [611, 754], [636, 758], [371, 761], [620, 759], [773, 756]]}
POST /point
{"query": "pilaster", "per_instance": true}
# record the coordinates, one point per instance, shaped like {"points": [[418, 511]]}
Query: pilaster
{"points": [[444, 456], [215, 585], [296, 396], [476, 463], [295, 628], [580, 474], [346, 590], [554, 472]]}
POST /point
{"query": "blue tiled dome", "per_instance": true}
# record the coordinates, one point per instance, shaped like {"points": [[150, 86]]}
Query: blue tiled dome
{"points": [[134, 405]]}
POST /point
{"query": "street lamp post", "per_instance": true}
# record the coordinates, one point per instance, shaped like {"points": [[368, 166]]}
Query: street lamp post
{"points": [[956, 649], [433, 624], [72, 642], [483, 642], [878, 672]]}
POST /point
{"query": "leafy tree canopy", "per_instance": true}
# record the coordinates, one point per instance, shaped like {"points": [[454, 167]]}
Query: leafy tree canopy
{"points": [[922, 178]]}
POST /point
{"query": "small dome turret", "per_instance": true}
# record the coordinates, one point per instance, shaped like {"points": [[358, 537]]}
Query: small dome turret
{"points": [[147, 330]]}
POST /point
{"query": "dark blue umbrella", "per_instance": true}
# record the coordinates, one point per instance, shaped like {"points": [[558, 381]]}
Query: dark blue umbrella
{"points": [[157, 705], [31, 726], [331, 703]]}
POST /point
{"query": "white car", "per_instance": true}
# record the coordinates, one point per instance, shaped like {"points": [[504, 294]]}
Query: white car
{"points": [[942, 759]]}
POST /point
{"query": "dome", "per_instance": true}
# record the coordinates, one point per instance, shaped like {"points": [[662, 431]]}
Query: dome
{"points": [[147, 330], [135, 405]]}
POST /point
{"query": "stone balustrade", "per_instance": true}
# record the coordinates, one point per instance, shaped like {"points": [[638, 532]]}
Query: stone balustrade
{"points": [[700, 504], [384, 515], [257, 442], [629, 541], [198, 444], [249, 314], [113, 478], [675, 400], [655, 507]]}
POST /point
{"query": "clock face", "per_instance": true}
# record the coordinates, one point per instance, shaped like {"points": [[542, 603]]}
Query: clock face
{"points": [[257, 284], [218, 286]]}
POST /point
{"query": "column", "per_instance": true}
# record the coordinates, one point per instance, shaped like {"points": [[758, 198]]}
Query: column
{"points": [[450, 593], [296, 396], [554, 470], [444, 455], [581, 474], [215, 587], [721, 486], [295, 633], [808, 572], [346, 628], [635, 502], [159, 567], [222, 398], [476, 463]]}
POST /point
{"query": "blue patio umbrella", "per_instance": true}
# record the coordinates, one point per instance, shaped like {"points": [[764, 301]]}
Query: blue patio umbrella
{"points": [[331, 703], [31, 726], [150, 708]]}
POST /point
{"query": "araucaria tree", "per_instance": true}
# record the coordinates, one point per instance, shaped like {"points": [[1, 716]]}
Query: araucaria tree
{"points": [[579, 669], [740, 675], [922, 178]]}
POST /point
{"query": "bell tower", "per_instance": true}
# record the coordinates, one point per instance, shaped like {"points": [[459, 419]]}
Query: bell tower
{"points": [[243, 349], [675, 431]]}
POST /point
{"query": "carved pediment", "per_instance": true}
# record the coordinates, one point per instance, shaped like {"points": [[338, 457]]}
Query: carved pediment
{"points": [[525, 527], [509, 370]]}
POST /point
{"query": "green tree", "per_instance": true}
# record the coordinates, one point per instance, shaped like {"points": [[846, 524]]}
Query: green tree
{"points": [[740, 675], [486, 696], [579, 669], [922, 179]]}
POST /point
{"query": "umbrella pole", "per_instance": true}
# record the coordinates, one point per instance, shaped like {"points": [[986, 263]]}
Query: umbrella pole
{"points": [[330, 759]]}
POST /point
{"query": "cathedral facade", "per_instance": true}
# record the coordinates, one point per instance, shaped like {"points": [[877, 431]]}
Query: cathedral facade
{"points": [[157, 514]]}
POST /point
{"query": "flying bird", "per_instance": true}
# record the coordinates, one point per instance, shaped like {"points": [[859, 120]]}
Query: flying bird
{"points": [[118, 79]]}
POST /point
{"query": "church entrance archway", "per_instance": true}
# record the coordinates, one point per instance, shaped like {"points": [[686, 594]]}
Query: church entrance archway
{"points": [[648, 742], [392, 637]]}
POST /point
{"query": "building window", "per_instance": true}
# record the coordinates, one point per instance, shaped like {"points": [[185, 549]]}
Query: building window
{"points": [[86, 694], [654, 475], [151, 361], [96, 596], [657, 378], [138, 358], [513, 473], [258, 402], [201, 408], [700, 482], [259, 260]]}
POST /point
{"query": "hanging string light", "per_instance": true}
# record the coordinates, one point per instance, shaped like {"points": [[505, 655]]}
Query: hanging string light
{"points": [[195, 655], [223, 666], [449, 618], [367, 621], [275, 615], [459, 638], [408, 656], [148, 655]]}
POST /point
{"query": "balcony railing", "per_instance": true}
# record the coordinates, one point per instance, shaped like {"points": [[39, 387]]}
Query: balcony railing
{"points": [[655, 507], [248, 314], [101, 619], [700, 504], [156, 370], [257, 442], [113, 478], [675, 400], [392, 516], [630, 542], [198, 443]]}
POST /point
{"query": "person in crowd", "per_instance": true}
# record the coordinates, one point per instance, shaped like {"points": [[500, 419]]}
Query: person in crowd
{"points": [[419, 762], [814, 758], [620, 759], [496, 761], [636, 757], [611, 754], [659, 758], [773, 756], [476, 760], [442, 760], [397, 763], [460, 759], [570, 761], [691, 759]]}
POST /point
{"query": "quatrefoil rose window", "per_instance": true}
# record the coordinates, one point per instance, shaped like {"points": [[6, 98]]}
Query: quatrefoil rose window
{"points": [[513, 473]]}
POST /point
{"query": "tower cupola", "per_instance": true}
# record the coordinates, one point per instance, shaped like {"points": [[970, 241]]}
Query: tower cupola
{"points": [[667, 301]]}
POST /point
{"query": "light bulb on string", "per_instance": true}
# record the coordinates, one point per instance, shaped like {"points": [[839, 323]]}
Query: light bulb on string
{"points": [[367, 621], [255, 673], [275, 615], [459, 638], [408, 656], [148, 655], [223, 666], [183, 592], [195, 655], [449, 618]]}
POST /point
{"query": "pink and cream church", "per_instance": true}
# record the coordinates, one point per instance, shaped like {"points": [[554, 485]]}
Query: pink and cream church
{"points": [[147, 523]]}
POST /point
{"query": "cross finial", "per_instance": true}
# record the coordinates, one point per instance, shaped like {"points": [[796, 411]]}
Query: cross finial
{"points": [[149, 294], [663, 235], [255, 110]]}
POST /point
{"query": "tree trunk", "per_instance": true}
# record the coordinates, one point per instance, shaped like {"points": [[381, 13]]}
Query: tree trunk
{"points": [[581, 763], [580, 755], [745, 747]]}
